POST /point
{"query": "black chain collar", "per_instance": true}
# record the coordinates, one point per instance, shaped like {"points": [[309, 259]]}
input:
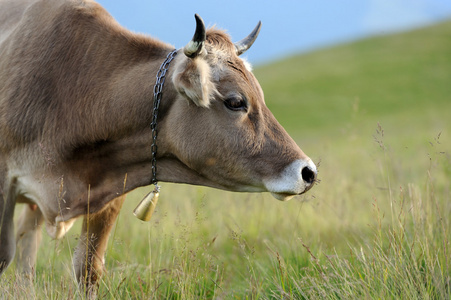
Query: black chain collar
{"points": [[157, 95]]}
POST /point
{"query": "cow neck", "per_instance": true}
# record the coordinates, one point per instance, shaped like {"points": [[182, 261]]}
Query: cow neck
{"points": [[146, 207]]}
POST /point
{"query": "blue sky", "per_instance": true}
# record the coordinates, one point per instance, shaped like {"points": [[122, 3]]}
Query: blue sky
{"points": [[289, 26]]}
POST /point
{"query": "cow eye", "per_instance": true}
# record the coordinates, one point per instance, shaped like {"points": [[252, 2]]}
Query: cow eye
{"points": [[235, 104]]}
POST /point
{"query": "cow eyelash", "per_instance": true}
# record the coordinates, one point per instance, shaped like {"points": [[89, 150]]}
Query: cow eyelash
{"points": [[236, 103]]}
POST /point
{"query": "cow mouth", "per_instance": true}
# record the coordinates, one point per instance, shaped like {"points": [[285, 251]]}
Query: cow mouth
{"points": [[283, 196], [288, 196]]}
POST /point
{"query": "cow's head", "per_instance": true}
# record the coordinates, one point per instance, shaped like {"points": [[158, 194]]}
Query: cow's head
{"points": [[219, 127]]}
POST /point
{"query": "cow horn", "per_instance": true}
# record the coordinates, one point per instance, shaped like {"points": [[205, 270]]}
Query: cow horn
{"points": [[195, 46], [247, 42]]}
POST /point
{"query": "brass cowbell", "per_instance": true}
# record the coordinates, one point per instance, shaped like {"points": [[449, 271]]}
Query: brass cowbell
{"points": [[146, 207]]}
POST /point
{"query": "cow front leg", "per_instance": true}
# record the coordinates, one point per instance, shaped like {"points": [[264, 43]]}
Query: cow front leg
{"points": [[89, 255], [28, 238], [7, 241]]}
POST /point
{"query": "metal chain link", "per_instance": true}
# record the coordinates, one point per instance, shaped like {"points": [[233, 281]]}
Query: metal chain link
{"points": [[157, 95]]}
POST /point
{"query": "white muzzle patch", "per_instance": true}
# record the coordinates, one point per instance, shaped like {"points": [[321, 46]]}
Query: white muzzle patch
{"points": [[295, 179]]}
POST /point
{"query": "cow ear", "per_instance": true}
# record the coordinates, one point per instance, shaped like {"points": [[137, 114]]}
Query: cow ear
{"points": [[192, 80], [192, 74]]}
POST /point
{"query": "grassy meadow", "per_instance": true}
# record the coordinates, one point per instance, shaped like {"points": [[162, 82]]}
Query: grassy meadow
{"points": [[376, 116]]}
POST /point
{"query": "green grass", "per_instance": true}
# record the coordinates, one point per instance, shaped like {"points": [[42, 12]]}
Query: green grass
{"points": [[376, 114]]}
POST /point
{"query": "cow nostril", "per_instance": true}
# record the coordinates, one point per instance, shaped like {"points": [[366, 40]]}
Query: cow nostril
{"points": [[308, 175]]}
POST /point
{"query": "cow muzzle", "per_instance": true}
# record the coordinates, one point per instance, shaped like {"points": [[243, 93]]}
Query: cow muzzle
{"points": [[297, 178]]}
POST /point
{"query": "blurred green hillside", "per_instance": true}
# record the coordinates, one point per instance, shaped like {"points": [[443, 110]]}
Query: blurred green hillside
{"points": [[387, 78]]}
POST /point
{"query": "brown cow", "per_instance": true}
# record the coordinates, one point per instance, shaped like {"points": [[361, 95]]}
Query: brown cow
{"points": [[76, 101]]}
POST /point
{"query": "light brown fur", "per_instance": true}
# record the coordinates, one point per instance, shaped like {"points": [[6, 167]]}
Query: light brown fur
{"points": [[76, 92]]}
